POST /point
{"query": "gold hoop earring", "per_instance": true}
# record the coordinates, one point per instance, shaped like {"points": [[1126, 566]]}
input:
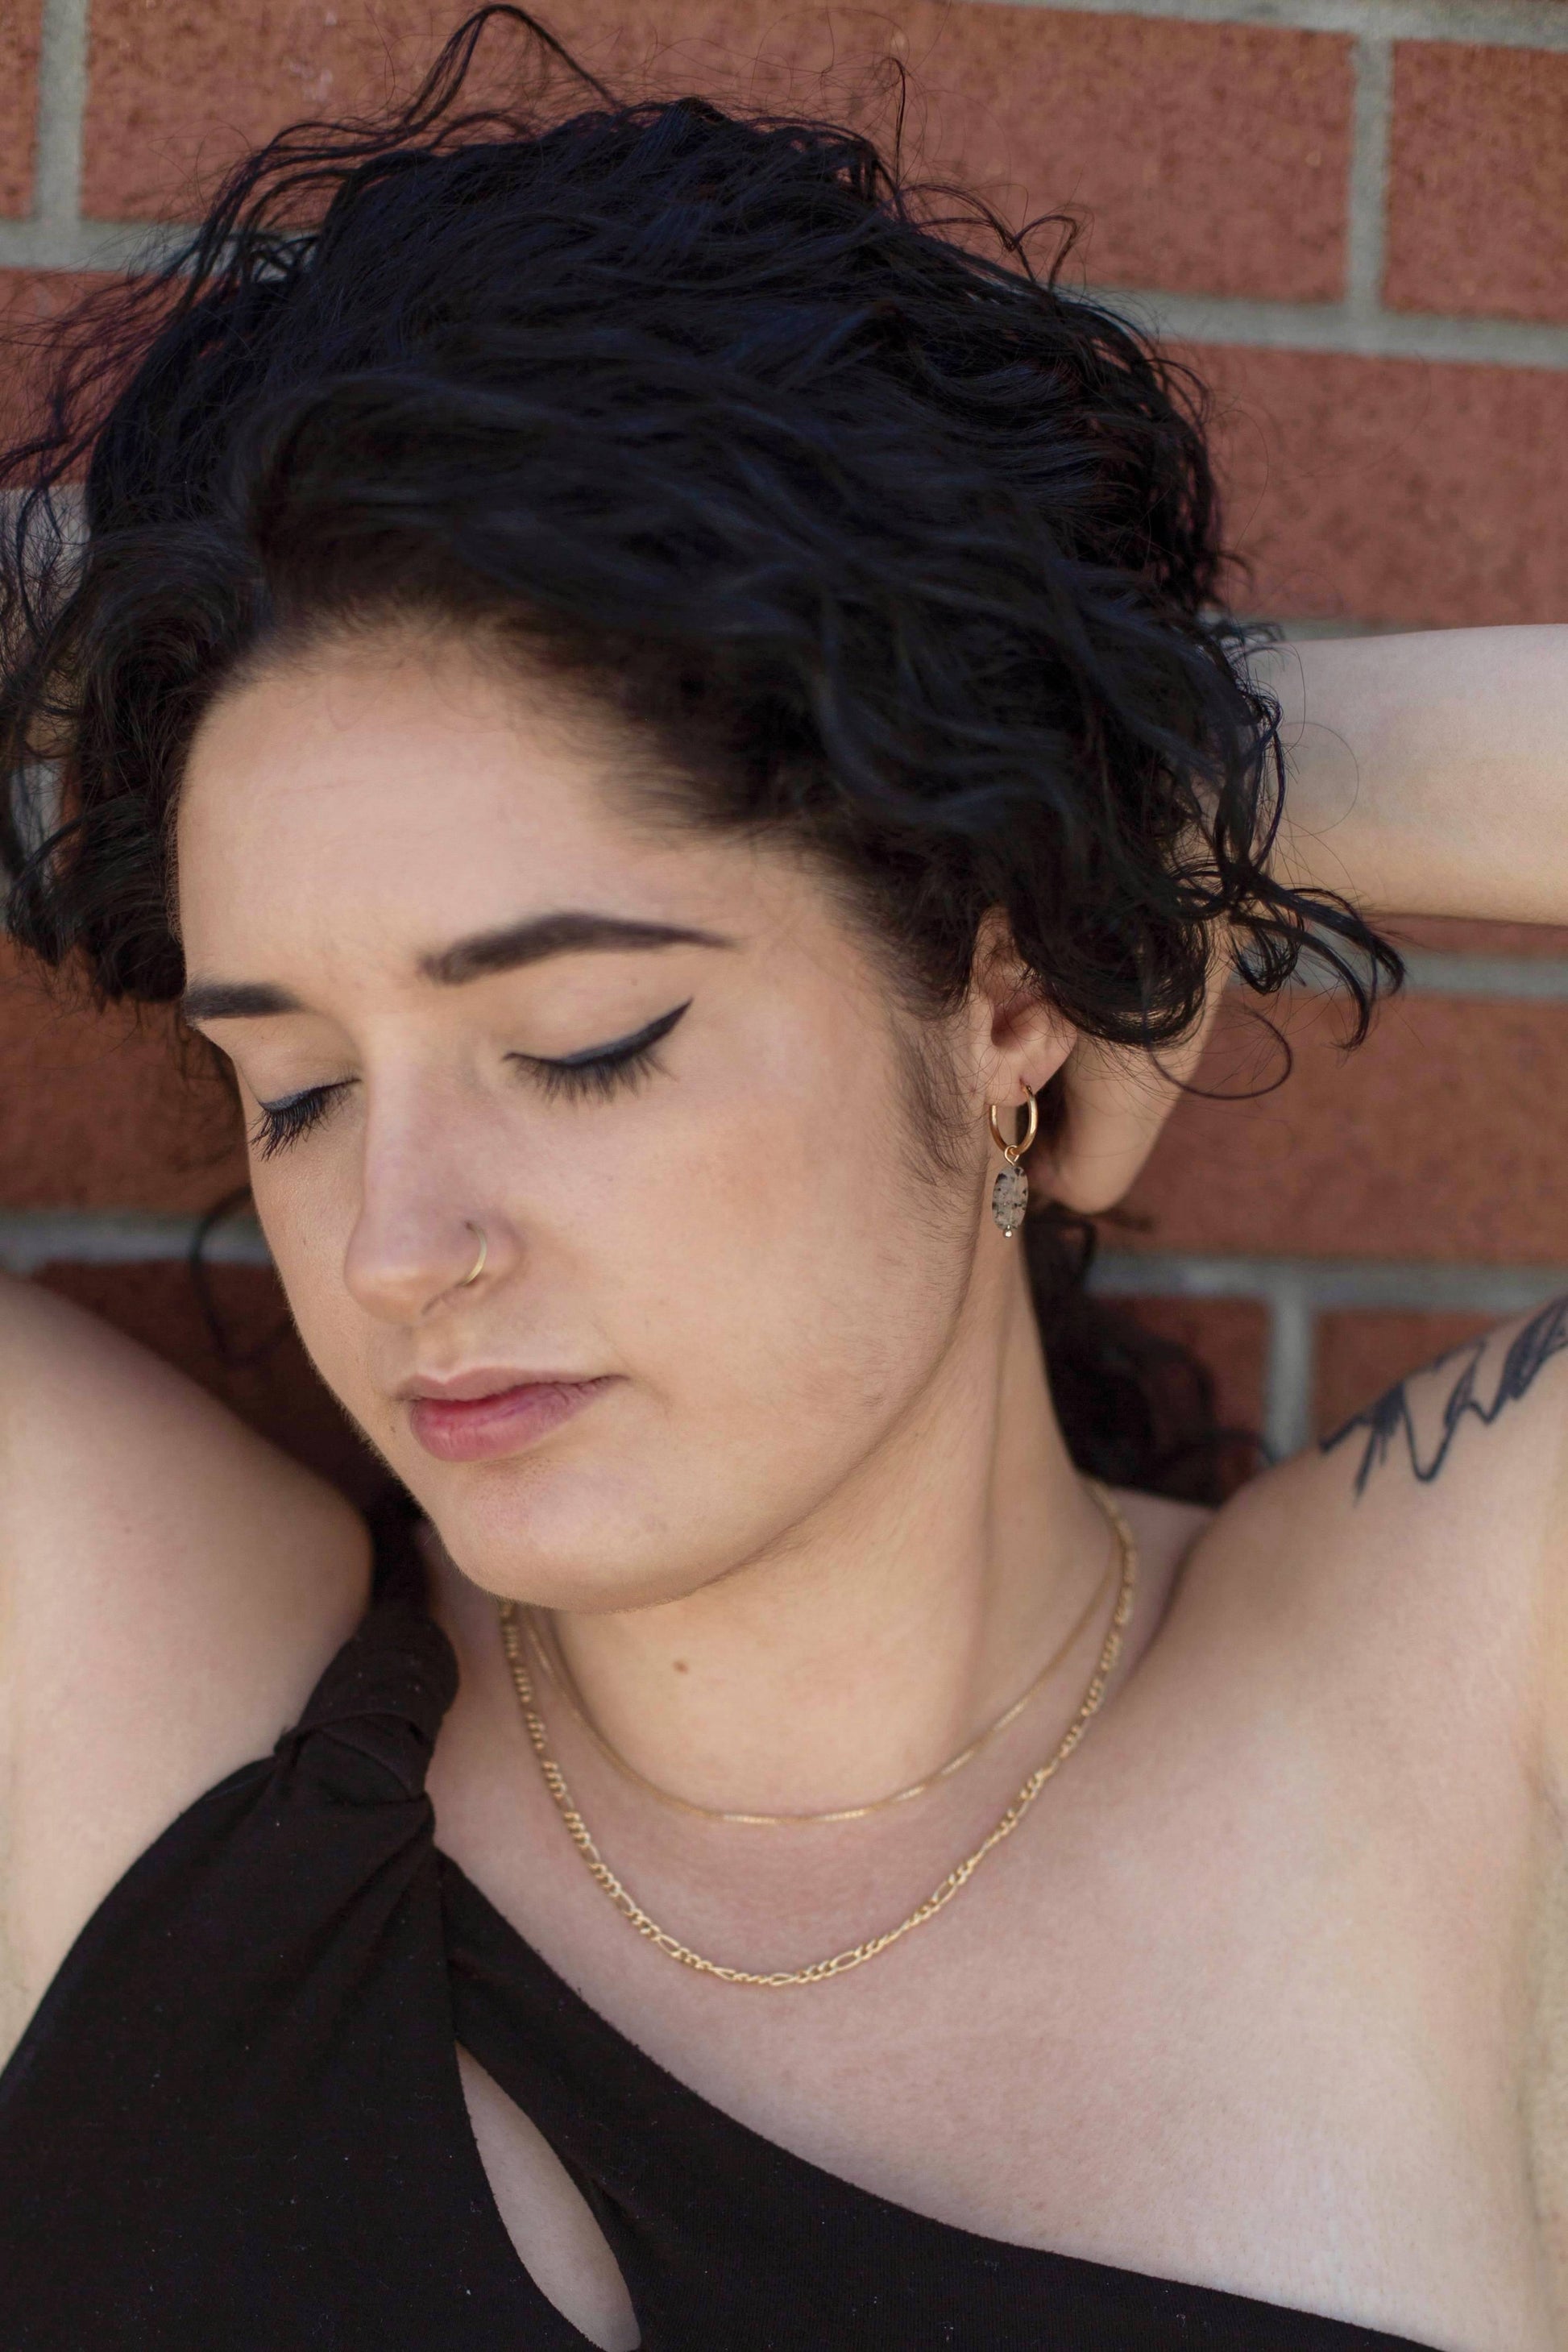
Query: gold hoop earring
{"points": [[477, 1267], [1010, 1193]]}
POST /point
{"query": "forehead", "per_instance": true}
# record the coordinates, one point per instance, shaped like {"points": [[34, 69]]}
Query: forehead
{"points": [[414, 789]]}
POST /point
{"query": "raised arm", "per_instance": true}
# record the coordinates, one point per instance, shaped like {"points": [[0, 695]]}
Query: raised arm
{"points": [[1429, 773], [170, 1587]]}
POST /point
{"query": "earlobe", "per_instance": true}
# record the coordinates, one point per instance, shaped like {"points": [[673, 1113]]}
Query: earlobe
{"points": [[1102, 1106], [1114, 1101]]}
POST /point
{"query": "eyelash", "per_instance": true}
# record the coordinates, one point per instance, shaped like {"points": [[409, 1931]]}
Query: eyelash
{"points": [[605, 1070], [286, 1122]]}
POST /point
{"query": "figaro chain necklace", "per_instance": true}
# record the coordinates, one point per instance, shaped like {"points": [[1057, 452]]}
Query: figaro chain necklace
{"points": [[546, 1649], [838, 1963]]}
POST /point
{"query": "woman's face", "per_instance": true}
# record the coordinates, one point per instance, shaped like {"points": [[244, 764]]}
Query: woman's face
{"points": [[466, 989]]}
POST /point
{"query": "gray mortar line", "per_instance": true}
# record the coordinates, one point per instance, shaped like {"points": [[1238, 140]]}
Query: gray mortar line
{"points": [[51, 236], [1540, 980], [54, 236], [87, 245], [1290, 1370], [30, 1238], [1436, 1283], [62, 95], [1442, 972], [1295, 1291], [1476, 24], [1337, 328], [1366, 210]]}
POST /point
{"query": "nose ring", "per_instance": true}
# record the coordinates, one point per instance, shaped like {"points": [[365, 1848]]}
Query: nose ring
{"points": [[477, 1267]]}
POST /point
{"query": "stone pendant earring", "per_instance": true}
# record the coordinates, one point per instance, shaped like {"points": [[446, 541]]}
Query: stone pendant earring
{"points": [[1010, 1193]]}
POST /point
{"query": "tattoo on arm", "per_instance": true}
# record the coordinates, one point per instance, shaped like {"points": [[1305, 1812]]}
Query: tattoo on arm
{"points": [[1384, 1422]]}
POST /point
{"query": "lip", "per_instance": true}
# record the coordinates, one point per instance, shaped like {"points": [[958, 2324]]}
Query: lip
{"points": [[480, 1416]]}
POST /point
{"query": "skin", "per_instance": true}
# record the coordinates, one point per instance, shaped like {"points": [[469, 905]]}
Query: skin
{"points": [[1427, 770], [1265, 1994]]}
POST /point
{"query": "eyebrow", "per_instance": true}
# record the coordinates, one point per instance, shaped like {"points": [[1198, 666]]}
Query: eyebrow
{"points": [[544, 936], [515, 945]]}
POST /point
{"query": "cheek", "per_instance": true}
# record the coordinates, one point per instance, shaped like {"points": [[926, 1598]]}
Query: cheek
{"points": [[785, 1269], [756, 1253], [306, 1205], [779, 1287]]}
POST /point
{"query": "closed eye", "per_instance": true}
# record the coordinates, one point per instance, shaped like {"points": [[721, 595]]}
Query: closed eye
{"points": [[601, 1070], [285, 1121], [597, 1071]]}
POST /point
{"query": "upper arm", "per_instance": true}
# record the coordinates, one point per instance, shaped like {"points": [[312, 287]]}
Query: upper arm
{"points": [[1457, 1474], [170, 1587], [1431, 1425]]}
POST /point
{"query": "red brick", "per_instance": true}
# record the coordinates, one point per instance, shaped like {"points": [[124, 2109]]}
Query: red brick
{"points": [[1208, 158], [1362, 1352], [1445, 1137], [1478, 219], [20, 25], [30, 300], [1394, 491], [253, 1360], [1213, 157], [102, 1112], [1230, 1339]]}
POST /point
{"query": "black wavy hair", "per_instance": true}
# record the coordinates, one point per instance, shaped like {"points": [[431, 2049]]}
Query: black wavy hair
{"points": [[885, 539]]}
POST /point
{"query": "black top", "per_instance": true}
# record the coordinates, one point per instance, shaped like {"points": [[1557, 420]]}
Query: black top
{"points": [[235, 2122]]}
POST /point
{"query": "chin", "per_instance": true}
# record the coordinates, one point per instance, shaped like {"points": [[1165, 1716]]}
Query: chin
{"points": [[569, 1536]]}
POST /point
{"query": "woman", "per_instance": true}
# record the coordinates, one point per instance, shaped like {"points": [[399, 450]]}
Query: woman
{"points": [[663, 716]]}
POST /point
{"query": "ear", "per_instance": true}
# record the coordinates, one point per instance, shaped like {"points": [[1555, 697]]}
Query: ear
{"points": [[1020, 1040], [1115, 1100]]}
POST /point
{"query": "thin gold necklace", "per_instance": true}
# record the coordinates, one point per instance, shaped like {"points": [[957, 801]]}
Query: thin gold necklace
{"points": [[839, 1963], [547, 1649]]}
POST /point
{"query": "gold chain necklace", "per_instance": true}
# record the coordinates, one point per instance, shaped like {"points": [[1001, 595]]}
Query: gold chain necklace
{"points": [[839, 1963], [547, 1649]]}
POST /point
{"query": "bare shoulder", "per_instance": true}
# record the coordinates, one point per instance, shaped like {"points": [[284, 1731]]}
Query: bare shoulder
{"points": [[1486, 1409], [1421, 1549], [170, 1587], [1458, 1476], [1453, 1488]]}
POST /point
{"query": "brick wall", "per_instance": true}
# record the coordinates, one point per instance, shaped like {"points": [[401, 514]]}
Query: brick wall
{"points": [[1353, 216]]}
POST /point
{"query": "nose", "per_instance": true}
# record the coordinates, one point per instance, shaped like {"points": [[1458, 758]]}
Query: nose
{"points": [[427, 1235]]}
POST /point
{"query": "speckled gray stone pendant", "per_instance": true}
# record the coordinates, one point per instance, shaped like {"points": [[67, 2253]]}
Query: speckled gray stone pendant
{"points": [[1010, 1193], [1009, 1199]]}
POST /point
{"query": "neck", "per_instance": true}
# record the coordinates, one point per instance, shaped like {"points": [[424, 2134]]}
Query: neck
{"points": [[889, 1629]]}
